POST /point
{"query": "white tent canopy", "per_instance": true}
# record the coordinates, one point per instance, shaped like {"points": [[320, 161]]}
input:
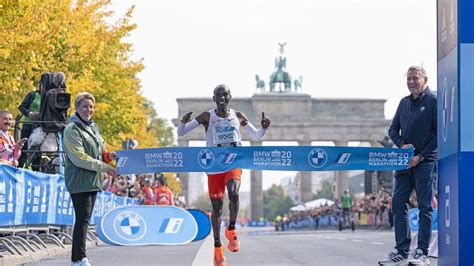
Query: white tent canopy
{"points": [[312, 205]]}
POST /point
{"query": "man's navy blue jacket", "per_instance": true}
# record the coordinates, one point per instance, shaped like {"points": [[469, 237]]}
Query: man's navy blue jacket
{"points": [[415, 122]]}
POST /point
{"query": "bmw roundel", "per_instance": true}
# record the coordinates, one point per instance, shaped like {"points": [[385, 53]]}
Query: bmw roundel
{"points": [[129, 226], [206, 158], [317, 158]]}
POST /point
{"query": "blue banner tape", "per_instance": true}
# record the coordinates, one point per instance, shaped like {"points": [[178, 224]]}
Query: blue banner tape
{"points": [[277, 158], [28, 197]]}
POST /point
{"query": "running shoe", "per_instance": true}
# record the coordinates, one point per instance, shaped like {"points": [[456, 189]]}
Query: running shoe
{"points": [[234, 245], [219, 258]]}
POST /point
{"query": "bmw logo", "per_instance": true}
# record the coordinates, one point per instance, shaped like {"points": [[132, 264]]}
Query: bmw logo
{"points": [[129, 226], [317, 158], [206, 158]]}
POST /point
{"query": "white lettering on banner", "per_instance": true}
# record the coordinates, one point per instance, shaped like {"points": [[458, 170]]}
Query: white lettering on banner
{"points": [[273, 158], [388, 158], [3, 192], [164, 159]]}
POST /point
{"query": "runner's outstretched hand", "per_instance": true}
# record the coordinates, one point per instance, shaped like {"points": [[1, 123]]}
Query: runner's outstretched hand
{"points": [[265, 121]]}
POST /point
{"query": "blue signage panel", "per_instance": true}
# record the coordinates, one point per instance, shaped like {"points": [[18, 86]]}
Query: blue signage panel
{"points": [[413, 219], [448, 105], [455, 131], [466, 209], [64, 208], [203, 221], [36, 203], [448, 222], [147, 225], [467, 96], [8, 195], [28, 197], [278, 158]]}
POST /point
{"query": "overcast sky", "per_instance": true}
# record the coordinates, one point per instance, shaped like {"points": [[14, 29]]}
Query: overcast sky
{"points": [[343, 48]]}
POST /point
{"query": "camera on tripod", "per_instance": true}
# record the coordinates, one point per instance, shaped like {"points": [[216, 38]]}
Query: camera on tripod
{"points": [[54, 101]]}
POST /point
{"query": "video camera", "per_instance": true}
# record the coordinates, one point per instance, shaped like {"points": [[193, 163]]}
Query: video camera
{"points": [[54, 101]]}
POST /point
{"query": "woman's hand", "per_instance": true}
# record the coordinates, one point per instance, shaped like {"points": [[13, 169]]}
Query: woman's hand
{"points": [[111, 171]]}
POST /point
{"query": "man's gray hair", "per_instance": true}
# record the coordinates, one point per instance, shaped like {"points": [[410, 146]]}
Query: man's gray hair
{"points": [[4, 112], [418, 69]]}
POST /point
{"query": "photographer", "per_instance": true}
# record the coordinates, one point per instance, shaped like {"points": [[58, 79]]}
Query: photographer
{"points": [[29, 107]]}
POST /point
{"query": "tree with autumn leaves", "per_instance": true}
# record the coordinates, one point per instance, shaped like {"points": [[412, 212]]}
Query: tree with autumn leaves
{"points": [[74, 37]]}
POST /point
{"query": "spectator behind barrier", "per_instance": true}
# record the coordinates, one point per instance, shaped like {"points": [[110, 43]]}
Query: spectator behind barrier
{"points": [[9, 150], [147, 193], [163, 195]]}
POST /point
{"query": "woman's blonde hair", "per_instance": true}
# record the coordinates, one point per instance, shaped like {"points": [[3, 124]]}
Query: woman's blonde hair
{"points": [[81, 96]]}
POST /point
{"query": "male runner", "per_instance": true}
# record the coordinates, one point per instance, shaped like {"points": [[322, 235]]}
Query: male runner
{"points": [[222, 130]]}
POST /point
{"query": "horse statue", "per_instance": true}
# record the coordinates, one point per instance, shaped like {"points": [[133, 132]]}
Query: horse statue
{"points": [[260, 84], [280, 76], [298, 83]]}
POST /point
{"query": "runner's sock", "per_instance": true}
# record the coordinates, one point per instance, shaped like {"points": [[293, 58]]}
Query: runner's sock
{"points": [[231, 225], [217, 243]]}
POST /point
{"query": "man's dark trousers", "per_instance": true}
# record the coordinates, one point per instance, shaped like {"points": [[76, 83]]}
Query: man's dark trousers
{"points": [[420, 178]]}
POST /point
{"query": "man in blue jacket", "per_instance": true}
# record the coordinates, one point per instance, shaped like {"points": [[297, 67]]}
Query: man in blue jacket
{"points": [[414, 125]]}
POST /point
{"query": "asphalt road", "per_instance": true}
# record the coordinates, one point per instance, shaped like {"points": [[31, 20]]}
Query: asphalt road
{"points": [[257, 248]]}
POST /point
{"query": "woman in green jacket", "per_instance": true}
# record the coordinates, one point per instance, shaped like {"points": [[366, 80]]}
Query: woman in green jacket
{"points": [[86, 162]]}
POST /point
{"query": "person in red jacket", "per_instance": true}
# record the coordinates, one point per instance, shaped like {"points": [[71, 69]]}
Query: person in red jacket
{"points": [[163, 195]]}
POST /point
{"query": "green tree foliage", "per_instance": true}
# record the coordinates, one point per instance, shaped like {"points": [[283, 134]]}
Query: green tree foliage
{"points": [[73, 37], [159, 127], [173, 183], [325, 191], [276, 202]]}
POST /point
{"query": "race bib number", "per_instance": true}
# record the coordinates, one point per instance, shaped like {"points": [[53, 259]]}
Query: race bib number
{"points": [[226, 136]]}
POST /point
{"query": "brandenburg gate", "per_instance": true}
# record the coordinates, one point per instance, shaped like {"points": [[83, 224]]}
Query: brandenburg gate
{"points": [[295, 116]]}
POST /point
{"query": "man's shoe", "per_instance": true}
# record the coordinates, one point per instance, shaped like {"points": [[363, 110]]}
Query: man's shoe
{"points": [[219, 259], [394, 258], [419, 258], [234, 244]]}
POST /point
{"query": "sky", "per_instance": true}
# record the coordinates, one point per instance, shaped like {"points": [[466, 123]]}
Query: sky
{"points": [[343, 48]]}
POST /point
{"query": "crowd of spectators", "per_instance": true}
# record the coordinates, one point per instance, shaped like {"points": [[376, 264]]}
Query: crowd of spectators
{"points": [[134, 186], [368, 211]]}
